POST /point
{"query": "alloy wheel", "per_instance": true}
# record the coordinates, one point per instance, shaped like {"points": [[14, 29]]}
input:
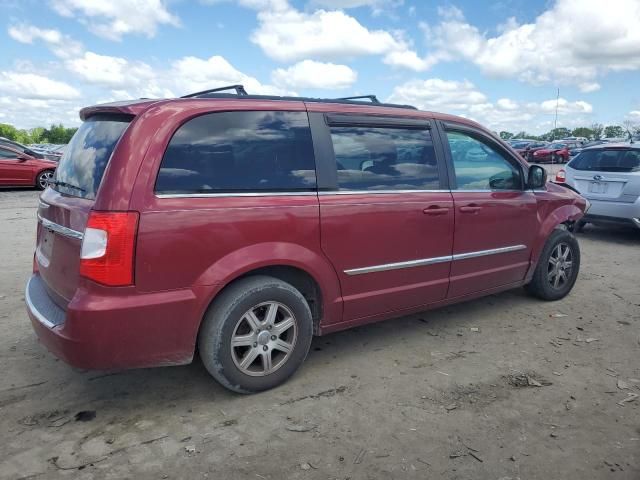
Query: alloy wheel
{"points": [[263, 339], [560, 265], [44, 178]]}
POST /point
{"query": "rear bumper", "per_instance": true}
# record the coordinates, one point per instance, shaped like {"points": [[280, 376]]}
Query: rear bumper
{"points": [[112, 330], [614, 212]]}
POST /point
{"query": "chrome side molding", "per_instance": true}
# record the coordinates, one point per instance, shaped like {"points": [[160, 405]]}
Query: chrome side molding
{"points": [[430, 261]]}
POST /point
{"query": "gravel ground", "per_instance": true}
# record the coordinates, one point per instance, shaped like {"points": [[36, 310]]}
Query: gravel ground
{"points": [[505, 387]]}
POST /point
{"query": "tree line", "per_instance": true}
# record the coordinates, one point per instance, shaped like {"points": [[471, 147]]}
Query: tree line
{"points": [[595, 132], [58, 134]]}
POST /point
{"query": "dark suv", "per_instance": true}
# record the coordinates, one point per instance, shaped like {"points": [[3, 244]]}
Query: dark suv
{"points": [[243, 225]]}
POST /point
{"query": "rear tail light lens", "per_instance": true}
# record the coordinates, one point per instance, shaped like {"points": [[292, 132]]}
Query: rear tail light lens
{"points": [[561, 176], [108, 248]]}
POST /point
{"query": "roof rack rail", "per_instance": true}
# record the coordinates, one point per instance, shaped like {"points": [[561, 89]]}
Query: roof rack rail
{"points": [[373, 98], [240, 91]]}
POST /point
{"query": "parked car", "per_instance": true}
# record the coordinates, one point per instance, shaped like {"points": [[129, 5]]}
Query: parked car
{"points": [[5, 142], [608, 175], [49, 151], [532, 148], [575, 151], [557, 152], [18, 168], [195, 222]]}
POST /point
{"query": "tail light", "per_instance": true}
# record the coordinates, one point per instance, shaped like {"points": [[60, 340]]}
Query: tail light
{"points": [[561, 176], [108, 248]]}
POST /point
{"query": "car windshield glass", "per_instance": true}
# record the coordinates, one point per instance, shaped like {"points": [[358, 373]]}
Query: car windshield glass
{"points": [[556, 145], [520, 145], [80, 170], [602, 160]]}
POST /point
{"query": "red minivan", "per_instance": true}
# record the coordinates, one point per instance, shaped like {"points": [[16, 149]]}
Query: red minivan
{"points": [[240, 226]]}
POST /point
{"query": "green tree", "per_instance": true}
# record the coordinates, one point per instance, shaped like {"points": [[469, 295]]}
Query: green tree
{"points": [[558, 133], [506, 135], [613, 131], [597, 129], [58, 134], [8, 131], [582, 132]]}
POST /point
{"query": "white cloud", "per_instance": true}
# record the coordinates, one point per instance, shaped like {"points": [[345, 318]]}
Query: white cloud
{"points": [[29, 113], [376, 6], [33, 86], [286, 34], [312, 74], [61, 45], [112, 19], [108, 71], [588, 87], [573, 42], [437, 94], [289, 35], [634, 115], [192, 74], [464, 99]]}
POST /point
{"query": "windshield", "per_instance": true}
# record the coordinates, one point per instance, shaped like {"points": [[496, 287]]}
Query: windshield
{"points": [[85, 159], [601, 160], [520, 145], [556, 146]]}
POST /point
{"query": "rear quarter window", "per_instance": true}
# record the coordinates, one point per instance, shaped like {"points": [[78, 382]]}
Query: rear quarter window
{"points": [[81, 168], [248, 151]]}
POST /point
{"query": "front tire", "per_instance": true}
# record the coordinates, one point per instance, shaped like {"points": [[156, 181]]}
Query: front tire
{"points": [[557, 268], [43, 179], [256, 334]]}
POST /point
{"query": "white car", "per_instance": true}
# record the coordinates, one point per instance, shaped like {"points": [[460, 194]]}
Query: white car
{"points": [[607, 175]]}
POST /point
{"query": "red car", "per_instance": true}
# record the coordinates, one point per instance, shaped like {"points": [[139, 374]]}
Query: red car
{"points": [[243, 225], [19, 169], [554, 153]]}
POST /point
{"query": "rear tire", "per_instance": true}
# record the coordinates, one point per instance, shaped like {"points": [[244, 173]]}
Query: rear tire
{"points": [[256, 334], [557, 268], [43, 178]]}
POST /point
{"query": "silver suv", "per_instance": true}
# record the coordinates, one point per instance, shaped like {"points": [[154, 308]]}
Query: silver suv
{"points": [[608, 176]]}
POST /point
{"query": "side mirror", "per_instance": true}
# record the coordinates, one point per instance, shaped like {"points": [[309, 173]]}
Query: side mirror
{"points": [[23, 158], [537, 177]]}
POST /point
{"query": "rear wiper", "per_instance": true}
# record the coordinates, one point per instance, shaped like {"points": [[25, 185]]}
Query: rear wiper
{"points": [[65, 184]]}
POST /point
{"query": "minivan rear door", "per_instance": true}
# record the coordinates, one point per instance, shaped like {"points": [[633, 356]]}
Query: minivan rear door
{"points": [[386, 217], [64, 207]]}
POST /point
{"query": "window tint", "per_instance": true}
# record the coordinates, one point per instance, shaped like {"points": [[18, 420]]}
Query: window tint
{"points": [[479, 167], [82, 166], [601, 160], [7, 154], [240, 152], [373, 158]]}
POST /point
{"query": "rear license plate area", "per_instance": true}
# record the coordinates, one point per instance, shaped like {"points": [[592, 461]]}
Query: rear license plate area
{"points": [[43, 253], [598, 187]]}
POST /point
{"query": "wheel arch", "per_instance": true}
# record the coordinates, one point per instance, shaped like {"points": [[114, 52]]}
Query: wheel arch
{"points": [[309, 272], [564, 217]]}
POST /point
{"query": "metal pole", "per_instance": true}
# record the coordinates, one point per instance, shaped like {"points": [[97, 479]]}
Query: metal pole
{"points": [[555, 122]]}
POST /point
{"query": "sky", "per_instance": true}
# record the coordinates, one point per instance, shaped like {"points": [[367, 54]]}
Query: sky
{"points": [[500, 62]]}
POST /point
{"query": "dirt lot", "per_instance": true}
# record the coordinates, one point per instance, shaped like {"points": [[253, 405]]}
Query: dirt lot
{"points": [[505, 387]]}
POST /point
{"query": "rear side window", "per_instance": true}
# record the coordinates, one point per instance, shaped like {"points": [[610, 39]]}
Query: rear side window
{"points": [[82, 166], [229, 152], [377, 158], [601, 160]]}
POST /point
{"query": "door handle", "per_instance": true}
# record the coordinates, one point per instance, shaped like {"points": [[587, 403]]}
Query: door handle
{"points": [[471, 208], [435, 210]]}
